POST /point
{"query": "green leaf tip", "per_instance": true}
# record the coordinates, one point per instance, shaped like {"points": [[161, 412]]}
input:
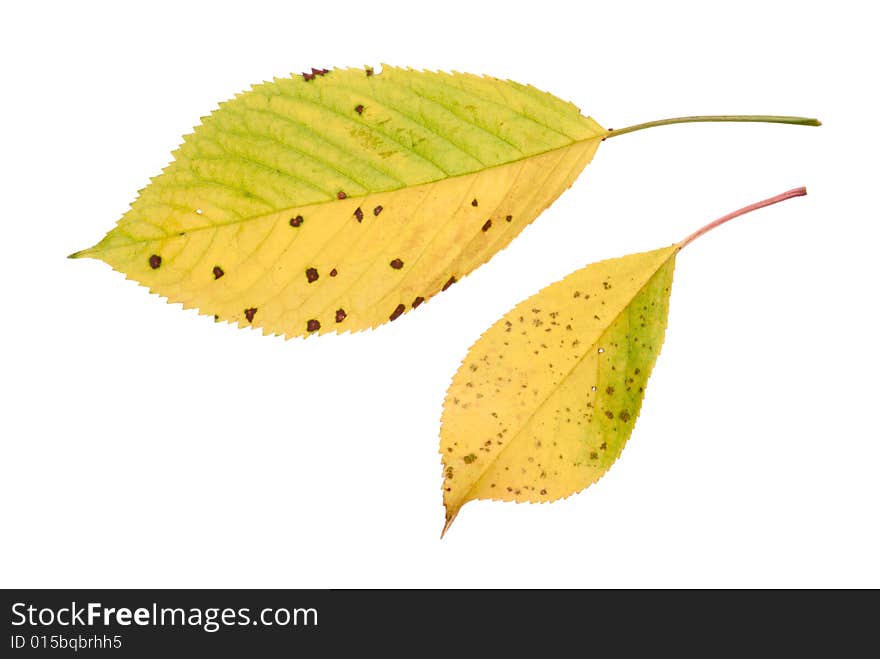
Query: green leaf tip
{"points": [[88, 253]]}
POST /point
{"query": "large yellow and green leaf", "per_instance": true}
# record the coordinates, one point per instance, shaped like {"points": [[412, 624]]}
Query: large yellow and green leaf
{"points": [[338, 200]]}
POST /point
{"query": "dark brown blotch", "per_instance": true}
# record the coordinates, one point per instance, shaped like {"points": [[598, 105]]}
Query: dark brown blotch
{"points": [[448, 283], [341, 194], [474, 202], [313, 325], [369, 70], [308, 76], [359, 214], [377, 210], [397, 264], [417, 301], [250, 313], [359, 108], [155, 261], [398, 310], [470, 458], [624, 416], [218, 272], [509, 218], [334, 272], [312, 275], [487, 225], [340, 315], [296, 221]]}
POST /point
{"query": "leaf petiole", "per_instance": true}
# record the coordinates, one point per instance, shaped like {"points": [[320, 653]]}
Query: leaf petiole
{"points": [[796, 192], [740, 118]]}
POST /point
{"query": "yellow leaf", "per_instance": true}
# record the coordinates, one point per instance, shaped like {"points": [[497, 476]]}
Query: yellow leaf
{"points": [[339, 200], [545, 400]]}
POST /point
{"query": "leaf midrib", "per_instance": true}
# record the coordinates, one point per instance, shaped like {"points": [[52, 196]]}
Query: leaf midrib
{"points": [[242, 220]]}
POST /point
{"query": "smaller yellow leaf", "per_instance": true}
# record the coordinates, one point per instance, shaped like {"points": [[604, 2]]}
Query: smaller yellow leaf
{"points": [[545, 400]]}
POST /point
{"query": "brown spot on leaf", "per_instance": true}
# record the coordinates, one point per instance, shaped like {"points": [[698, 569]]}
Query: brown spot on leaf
{"points": [[341, 194], [359, 214], [377, 210], [397, 264], [487, 225], [543, 492], [470, 457], [340, 315], [474, 202], [155, 261], [418, 301], [313, 325], [594, 455], [609, 390], [448, 283], [218, 272], [369, 70], [509, 218], [359, 108], [296, 221], [398, 310], [624, 416], [308, 76], [603, 446], [334, 272], [609, 414], [311, 275], [249, 314]]}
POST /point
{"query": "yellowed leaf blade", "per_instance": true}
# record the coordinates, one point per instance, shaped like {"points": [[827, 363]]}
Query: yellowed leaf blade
{"points": [[546, 399], [339, 200]]}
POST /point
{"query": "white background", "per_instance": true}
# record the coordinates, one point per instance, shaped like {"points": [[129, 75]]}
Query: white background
{"points": [[147, 446]]}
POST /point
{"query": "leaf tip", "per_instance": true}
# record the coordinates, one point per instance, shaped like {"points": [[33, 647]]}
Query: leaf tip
{"points": [[450, 517]]}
